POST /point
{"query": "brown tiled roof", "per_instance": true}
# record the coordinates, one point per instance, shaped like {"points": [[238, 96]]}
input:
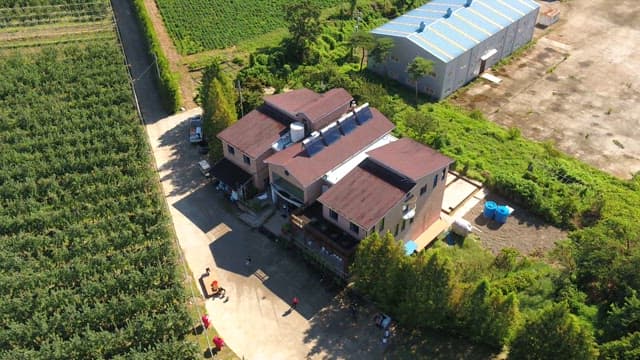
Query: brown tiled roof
{"points": [[319, 109], [254, 133], [308, 169], [328, 108], [362, 197], [291, 102], [410, 158]]}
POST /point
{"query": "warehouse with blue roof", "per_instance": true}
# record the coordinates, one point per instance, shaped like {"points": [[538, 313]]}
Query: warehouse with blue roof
{"points": [[463, 38]]}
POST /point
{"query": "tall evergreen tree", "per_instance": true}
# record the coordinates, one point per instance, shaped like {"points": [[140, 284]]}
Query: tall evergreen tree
{"points": [[426, 302], [381, 51], [419, 68], [489, 316], [304, 27], [218, 103], [554, 334], [363, 40]]}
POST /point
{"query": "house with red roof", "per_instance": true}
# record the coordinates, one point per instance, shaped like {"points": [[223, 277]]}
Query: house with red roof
{"points": [[335, 167]]}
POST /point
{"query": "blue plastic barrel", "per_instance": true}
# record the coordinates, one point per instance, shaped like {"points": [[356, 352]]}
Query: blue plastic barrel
{"points": [[502, 213], [489, 209]]}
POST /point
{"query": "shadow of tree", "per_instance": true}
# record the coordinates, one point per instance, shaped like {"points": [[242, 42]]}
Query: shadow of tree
{"points": [[139, 60], [181, 169], [337, 334]]}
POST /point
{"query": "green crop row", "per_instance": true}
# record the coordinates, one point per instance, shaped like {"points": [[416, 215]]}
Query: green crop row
{"points": [[87, 264], [198, 25]]}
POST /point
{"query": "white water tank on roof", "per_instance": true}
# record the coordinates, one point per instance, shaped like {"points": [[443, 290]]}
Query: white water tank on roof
{"points": [[297, 131]]}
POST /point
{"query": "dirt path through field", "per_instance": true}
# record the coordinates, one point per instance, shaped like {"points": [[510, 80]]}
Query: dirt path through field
{"points": [[187, 84]]}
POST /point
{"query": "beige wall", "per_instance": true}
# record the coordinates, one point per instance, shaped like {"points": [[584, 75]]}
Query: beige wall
{"points": [[258, 169], [311, 192], [427, 211]]}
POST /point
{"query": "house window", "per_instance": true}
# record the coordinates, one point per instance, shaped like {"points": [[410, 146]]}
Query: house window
{"points": [[423, 190], [435, 181], [411, 221], [333, 214], [444, 173], [231, 150], [354, 228], [286, 172], [404, 223], [381, 225], [246, 159], [395, 233]]}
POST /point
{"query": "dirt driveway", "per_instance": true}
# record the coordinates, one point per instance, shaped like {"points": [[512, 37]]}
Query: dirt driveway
{"points": [[579, 86]]}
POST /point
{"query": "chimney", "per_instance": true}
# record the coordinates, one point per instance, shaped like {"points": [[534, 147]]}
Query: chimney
{"points": [[467, 3], [448, 13], [422, 26]]}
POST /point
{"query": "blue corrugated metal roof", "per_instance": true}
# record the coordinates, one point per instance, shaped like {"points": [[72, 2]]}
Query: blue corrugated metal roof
{"points": [[447, 38]]}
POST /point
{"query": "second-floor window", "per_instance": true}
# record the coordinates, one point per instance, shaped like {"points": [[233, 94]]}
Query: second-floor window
{"points": [[435, 181], [423, 190], [381, 225], [246, 159], [231, 150], [333, 214], [354, 228]]}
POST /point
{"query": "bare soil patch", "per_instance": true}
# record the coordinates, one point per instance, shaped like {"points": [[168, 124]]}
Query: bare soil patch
{"points": [[523, 231], [579, 86]]}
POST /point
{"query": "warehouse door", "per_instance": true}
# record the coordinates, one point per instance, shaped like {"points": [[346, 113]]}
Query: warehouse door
{"points": [[484, 58]]}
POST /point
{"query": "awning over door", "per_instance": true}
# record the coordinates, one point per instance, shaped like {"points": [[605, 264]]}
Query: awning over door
{"points": [[230, 174]]}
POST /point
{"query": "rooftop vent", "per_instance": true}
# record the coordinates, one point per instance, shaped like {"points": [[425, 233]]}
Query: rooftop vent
{"points": [[422, 26], [448, 13]]}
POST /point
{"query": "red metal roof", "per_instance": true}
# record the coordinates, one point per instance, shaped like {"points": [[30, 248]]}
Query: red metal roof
{"points": [[253, 134], [308, 169], [362, 197], [410, 158]]}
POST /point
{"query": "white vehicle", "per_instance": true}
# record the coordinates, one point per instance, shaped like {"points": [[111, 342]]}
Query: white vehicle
{"points": [[195, 129], [204, 167]]}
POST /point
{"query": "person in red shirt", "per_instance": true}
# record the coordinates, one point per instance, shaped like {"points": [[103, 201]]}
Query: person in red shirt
{"points": [[294, 302]]}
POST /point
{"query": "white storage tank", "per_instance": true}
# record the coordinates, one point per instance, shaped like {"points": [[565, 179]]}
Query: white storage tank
{"points": [[297, 131], [461, 227]]}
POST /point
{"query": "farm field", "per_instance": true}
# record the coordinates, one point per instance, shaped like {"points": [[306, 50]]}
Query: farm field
{"points": [[87, 263], [199, 25], [34, 23]]}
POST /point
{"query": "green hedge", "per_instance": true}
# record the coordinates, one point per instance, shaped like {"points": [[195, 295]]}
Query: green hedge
{"points": [[168, 81]]}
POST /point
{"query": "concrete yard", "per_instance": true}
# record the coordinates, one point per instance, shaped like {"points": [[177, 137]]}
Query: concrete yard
{"points": [[579, 86]]}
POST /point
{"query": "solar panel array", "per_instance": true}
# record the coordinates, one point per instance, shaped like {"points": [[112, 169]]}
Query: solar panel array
{"points": [[332, 133], [313, 144], [348, 125], [364, 115]]}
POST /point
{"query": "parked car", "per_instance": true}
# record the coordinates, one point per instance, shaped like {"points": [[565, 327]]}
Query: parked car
{"points": [[195, 129]]}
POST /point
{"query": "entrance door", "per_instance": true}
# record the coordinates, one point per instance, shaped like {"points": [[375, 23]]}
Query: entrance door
{"points": [[483, 65]]}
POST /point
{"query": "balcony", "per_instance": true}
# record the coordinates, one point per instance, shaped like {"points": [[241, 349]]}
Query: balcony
{"points": [[328, 236]]}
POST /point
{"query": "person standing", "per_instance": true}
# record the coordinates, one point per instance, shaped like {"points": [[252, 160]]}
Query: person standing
{"points": [[294, 302]]}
